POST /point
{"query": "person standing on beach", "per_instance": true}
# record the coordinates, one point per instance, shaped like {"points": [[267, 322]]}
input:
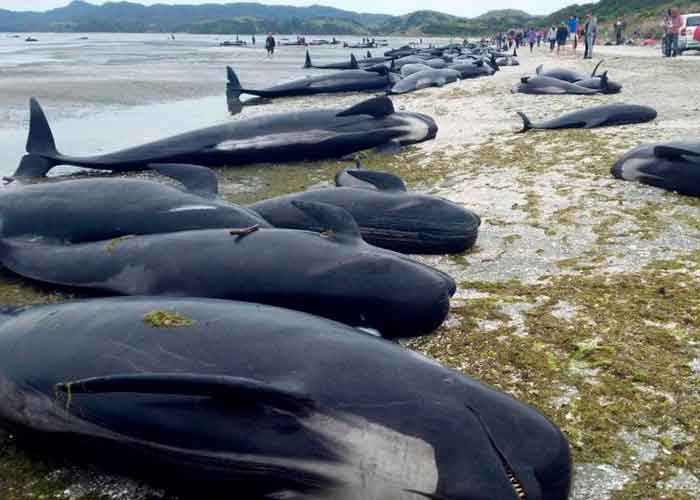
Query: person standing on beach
{"points": [[676, 25], [590, 32], [562, 35], [573, 31], [270, 44], [532, 38], [552, 37]]}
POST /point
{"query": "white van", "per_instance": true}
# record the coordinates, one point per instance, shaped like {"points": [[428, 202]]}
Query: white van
{"points": [[685, 38]]}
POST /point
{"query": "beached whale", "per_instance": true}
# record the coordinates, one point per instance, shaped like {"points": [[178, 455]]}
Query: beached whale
{"points": [[403, 61], [388, 216], [674, 166], [545, 85], [351, 64], [598, 116], [265, 402], [424, 79], [601, 83], [342, 81], [409, 69], [294, 136], [564, 74], [472, 69], [84, 210], [334, 274], [390, 182]]}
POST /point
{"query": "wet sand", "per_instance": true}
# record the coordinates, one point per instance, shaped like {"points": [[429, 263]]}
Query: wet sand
{"points": [[581, 297]]}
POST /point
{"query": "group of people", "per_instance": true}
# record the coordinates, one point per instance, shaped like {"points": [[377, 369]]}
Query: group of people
{"points": [[556, 36]]}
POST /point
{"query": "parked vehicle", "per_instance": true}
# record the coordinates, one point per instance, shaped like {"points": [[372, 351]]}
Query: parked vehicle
{"points": [[686, 40]]}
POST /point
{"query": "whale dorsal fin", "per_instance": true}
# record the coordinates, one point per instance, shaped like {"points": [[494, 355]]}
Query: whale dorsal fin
{"points": [[353, 62], [539, 69], [224, 388], [336, 223], [381, 180], [377, 107], [198, 180], [307, 63]]}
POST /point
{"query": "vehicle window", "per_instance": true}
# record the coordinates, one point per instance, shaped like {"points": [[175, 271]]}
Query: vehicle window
{"points": [[693, 21]]}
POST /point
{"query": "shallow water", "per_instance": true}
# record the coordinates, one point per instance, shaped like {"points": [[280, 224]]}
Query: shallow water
{"points": [[116, 90]]}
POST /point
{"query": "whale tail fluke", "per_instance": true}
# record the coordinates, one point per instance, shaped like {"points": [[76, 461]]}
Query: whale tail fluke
{"points": [[527, 124], [308, 63], [41, 147]]}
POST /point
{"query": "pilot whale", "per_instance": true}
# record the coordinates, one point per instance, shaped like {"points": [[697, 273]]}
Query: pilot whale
{"points": [[84, 210], [333, 273], [674, 166], [597, 116], [424, 79], [387, 215], [352, 64], [267, 403], [294, 136], [343, 81]]}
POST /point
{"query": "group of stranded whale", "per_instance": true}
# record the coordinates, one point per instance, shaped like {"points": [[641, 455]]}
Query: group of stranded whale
{"points": [[251, 348], [395, 73]]}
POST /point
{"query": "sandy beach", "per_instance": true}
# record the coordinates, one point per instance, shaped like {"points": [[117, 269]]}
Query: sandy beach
{"points": [[581, 297]]}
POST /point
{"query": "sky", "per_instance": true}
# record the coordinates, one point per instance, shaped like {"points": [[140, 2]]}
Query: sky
{"points": [[463, 8]]}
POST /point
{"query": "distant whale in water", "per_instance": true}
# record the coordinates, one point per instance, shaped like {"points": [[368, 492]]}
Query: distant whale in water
{"points": [[352, 64], [333, 273], [674, 166], [388, 216], [294, 136], [599, 116], [85, 210], [266, 403]]}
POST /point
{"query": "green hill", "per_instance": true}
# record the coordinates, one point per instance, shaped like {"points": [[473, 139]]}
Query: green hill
{"points": [[643, 16], [252, 25]]}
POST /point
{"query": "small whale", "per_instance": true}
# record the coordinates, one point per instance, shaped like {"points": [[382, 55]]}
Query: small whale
{"points": [[598, 116], [352, 64], [545, 85], [424, 79]]}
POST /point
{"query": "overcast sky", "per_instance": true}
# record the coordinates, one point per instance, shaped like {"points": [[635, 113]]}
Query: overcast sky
{"points": [[457, 7]]}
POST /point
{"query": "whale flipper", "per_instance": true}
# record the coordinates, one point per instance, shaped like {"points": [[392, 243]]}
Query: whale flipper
{"points": [[199, 180], [377, 107], [225, 388], [527, 124], [40, 145], [335, 222], [381, 180]]}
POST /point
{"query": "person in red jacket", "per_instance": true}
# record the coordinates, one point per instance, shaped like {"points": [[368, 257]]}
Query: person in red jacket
{"points": [[696, 34]]}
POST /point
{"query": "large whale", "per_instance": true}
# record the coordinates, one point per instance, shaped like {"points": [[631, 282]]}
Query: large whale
{"points": [[595, 82], [84, 210], [424, 79], [351, 64], [597, 116], [343, 81], [674, 166], [295, 136], [545, 85], [409, 69], [269, 403], [388, 216], [333, 274]]}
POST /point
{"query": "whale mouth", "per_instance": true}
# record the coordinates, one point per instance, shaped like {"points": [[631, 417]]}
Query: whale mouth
{"points": [[517, 485]]}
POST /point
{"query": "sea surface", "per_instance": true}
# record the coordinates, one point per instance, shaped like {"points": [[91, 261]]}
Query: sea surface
{"points": [[106, 91]]}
